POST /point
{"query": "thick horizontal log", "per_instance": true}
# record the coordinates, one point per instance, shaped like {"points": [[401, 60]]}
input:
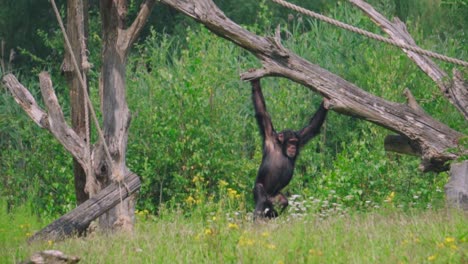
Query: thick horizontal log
{"points": [[76, 221], [432, 137]]}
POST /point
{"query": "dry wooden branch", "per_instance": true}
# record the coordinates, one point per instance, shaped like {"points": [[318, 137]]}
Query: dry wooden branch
{"points": [[432, 137], [52, 121], [133, 31], [58, 127], [25, 99], [76, 221], [456, 92]]}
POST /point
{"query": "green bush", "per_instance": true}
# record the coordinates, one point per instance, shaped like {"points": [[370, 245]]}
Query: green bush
{"points": [[194, 140]]}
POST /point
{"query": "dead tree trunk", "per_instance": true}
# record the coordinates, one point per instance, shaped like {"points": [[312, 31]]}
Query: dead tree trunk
{"points": [[117, 41], [430, 139], [77, 31]]}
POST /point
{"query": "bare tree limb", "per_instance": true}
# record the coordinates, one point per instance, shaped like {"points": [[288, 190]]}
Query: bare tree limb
{"points": [[52, 121], [58, 126], [25, 99], [130, 34], [411, 101], [459, 91], [398, 31], [432, 137]]}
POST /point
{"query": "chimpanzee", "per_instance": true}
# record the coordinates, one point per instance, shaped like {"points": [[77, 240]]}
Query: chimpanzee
{"points": [[280, 151]]}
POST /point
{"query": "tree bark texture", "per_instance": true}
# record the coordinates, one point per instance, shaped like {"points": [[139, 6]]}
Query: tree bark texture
{"points": [[431, 138], [77, 31], [116, 44], [456, 189], [117, 40], [76, 221]]}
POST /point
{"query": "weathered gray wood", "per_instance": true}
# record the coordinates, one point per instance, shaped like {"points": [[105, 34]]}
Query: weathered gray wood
{"points": [[53, 121], [25, 99], [456, 92], [456, 190], [116, 41], [77, 32], [432, 137], [76, 221], [398, 32], [51, 257]]}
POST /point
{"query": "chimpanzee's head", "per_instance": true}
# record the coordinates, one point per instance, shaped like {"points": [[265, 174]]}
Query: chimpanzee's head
{"points": [[289, 142]]}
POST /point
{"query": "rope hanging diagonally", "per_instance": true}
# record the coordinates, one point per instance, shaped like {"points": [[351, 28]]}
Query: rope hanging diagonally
{"points": [[90, 105], [83, 85], [370, 34]]}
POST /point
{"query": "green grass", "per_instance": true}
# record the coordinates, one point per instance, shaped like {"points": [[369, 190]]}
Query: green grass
{"points": [[385, 236]]}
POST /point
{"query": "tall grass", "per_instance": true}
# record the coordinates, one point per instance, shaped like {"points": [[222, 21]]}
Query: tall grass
{"points": [[193, 125], [381, 236]]}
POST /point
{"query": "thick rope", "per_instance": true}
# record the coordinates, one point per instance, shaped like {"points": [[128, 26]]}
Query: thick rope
{"points": [[83, 85], [370, 34]]}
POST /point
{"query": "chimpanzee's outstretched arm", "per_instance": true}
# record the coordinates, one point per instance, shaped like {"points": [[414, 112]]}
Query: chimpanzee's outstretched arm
{"points": [[308, 132], [263, 118]]}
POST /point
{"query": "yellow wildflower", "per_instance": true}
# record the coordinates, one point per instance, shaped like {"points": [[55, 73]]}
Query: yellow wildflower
{"points": [[50, 242], [314, 252], [197, 179], [440, 245], [265, 234], [453, 247], [231, 193], [233, 226], [432, 257], [208, 231], [390, 197], [246, 241], [449, 240], [190, 200], [222, 183], [271, 246]]}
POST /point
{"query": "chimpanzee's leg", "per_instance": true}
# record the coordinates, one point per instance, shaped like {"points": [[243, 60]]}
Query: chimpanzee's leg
{"points": [[263, 205], [281, 200]]}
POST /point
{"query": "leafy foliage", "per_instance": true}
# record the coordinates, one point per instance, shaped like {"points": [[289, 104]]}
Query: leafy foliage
{"points": [[194, 140]]}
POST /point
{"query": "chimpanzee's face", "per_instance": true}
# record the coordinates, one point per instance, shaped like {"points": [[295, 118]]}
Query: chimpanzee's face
{"points": [[289, 143]]}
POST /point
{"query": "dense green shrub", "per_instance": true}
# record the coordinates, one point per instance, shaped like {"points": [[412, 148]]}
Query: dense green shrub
{"points": [[194, 140]]}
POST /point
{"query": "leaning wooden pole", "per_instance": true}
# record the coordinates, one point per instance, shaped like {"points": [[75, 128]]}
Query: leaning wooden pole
{"points": [[76, 221]]}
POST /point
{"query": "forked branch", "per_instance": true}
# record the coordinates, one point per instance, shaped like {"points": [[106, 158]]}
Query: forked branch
{"points": [[53, 120]]}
